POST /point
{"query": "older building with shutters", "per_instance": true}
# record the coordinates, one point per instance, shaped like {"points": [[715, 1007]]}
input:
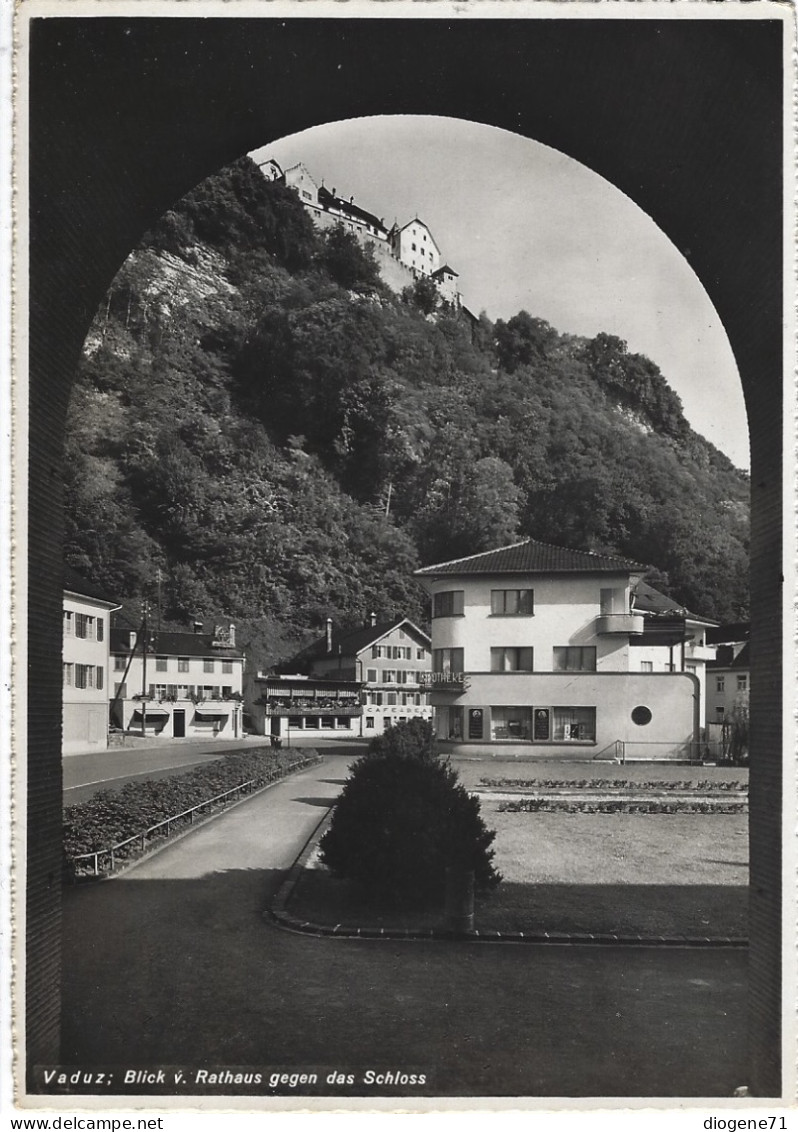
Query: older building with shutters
{"points": [[551, 651], [86, 660], [177, 685]]}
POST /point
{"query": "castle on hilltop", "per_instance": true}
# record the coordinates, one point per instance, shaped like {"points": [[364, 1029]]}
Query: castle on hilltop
{"points": [[404, 253]]}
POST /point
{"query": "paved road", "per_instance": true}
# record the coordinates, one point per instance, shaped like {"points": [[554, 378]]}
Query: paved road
{"points": [[84, 775], [173, 963]]}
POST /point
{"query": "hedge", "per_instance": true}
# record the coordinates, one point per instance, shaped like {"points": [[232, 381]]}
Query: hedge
{"points": [[112, 816]]}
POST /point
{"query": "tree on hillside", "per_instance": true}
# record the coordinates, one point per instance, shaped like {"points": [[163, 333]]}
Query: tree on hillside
{"points": [[347, 262], [522, 340]]}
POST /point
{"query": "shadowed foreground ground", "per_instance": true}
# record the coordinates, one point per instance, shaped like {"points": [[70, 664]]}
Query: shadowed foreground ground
{"points": [[174, 964]]}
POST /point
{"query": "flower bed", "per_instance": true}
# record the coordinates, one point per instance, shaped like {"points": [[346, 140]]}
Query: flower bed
{"points": [[111, 818], [611, 784], [620, 806]]}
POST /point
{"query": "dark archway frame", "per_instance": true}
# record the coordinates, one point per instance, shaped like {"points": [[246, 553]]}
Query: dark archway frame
{"points": [[126, 114]]}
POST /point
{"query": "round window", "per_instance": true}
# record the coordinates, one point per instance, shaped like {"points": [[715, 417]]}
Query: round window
{"points": [[641, 716]]}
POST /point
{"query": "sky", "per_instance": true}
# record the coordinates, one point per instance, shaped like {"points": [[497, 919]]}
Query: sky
{"points": [[529, 228]]}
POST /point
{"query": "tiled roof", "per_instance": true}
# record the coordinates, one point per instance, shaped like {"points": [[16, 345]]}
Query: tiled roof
{"points": [[327, 200], [533, 557], [175, 644], [74, 583], [443, 269], [727, 659], [727, 634], [351, 641], [656, 604]]}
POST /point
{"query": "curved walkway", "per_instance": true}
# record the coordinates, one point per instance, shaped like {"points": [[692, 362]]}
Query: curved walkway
{"points": [[173, 964]]}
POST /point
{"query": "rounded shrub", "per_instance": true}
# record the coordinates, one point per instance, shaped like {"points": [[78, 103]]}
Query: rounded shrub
{"points": [[403, 818]]}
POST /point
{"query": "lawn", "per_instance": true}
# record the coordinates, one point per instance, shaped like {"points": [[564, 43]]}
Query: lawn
{"points": [[647, 874]]}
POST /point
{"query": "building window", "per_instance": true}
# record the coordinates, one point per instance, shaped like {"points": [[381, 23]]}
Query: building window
{"points": [[720, 712], [720, 684], [120, 663], [69, 626], [67, 675], [511, 660], [182, 664], [575, 658], [83, 676], [421, 654], [378, 699], [448, 662], [646, 665], [742, 683], [369, 722], [227, 666], [512, 603], [100, 629], [159, 691], [328, 723], [388, 676], [574, 723], [99, 677], [641, 716], [390, 699], [511, 723], [341, 722], [295, 721], [207, 666], [448, 603], [227, 691], [83, 626], [160, 664], [371, 675], [182, 691]]}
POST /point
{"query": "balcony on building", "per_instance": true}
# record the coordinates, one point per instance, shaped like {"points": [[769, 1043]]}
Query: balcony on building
{"points": [[626, 623]]}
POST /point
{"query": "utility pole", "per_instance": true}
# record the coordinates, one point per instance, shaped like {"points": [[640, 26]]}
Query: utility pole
{"points": [[158, 577], [144, 643]]}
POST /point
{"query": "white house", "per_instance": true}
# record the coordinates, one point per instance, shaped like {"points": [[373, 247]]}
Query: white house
{"points": [[176, 685], [729, 674], [414, 245], [86, 660], [544, 650]]}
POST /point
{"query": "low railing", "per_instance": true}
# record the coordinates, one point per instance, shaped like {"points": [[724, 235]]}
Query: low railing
{"points": [[114, 852], [622, 750]]}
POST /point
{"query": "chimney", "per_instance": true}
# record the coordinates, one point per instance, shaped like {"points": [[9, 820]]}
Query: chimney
{"points": [[232, 630], [329, 634], [372, 619], [133, 637]]}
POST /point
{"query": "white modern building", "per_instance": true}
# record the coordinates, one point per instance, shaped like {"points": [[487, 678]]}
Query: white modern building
{"points": [[86, 660], [544, 650]]}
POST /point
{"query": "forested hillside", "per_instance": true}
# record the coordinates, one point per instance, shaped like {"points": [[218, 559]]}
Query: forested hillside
{"points": [[260, 419]]}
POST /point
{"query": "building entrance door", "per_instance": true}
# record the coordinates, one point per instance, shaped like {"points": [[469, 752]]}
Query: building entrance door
{"points": [[179, 724]]}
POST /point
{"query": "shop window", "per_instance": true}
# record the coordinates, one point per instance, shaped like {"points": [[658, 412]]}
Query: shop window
{"points": [[574, 723], [511, 722], [296, 722]]}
